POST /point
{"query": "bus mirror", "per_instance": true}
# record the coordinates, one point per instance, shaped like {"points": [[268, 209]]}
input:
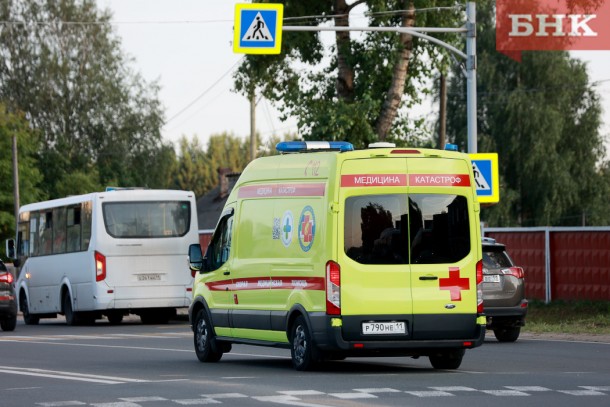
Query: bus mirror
{"points": [[10, 248], [195, 258]]}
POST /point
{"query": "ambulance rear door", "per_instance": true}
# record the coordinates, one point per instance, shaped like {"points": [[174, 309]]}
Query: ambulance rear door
{"points": [[442, 253], [373, 252]]}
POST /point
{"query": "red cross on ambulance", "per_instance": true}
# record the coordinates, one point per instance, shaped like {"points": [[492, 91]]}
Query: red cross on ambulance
{"points": [[454, 283]]}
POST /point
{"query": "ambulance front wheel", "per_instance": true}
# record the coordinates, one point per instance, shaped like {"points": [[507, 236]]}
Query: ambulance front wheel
{"points": [[203, 337], [447, 359], [303, 351]]}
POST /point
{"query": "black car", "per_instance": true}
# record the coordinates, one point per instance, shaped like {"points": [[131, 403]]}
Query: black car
{"points": [[503, 292], [8, 305]]}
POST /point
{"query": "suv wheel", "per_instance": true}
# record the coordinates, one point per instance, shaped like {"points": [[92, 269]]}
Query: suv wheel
{"points": [[507, 334], [9, 323]]}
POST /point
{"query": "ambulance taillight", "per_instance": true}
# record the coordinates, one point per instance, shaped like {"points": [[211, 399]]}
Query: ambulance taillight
{"points": [[480, 287], [333, 288]]}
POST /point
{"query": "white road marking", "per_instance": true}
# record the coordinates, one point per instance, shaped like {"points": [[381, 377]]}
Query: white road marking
{"points": [[142, 399], [582, 392], [453, 388], [352, 396], [528, 388], [378, 390], [196, 402], [430, 393], [225, 396], [301, 392], [55, 374], [504, 392], [289, 400], [61, 404]]}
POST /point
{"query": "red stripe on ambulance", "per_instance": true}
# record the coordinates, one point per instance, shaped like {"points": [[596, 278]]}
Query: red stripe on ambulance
{"points": [[275, 283], [269, 190], [439, 180]]}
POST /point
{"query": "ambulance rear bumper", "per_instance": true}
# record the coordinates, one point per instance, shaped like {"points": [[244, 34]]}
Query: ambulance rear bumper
{"points": [[329, 337]]}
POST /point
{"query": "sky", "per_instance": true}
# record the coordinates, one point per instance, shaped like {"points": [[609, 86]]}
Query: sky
{"points": [[186, 45]]}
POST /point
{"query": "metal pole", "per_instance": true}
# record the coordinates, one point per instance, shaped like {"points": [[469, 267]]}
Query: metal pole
{"points": [[471, 75]]}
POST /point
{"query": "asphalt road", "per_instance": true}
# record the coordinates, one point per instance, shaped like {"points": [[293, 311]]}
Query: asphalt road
{"points": [[132, 365]]}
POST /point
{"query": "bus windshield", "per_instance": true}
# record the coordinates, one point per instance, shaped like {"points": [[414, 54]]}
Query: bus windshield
{"points": [[147, 219]]}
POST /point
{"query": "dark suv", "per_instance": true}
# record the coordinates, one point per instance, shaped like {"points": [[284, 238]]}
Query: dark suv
{"points": [[503, 292], [8, 305]]}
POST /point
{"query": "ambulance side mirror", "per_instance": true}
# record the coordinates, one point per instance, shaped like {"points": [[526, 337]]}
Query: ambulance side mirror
{"points": [[195, 258]]}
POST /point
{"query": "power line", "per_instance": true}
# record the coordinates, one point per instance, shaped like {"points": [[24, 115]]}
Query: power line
{"points": [[202, 94]]}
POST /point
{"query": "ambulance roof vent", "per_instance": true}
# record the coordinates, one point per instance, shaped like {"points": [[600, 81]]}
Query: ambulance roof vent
{"points": [[305, 146], [382, 144]]}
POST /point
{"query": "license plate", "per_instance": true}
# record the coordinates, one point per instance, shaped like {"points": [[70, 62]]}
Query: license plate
{"points": [[491, 279], [149, 277], [383, 328]]}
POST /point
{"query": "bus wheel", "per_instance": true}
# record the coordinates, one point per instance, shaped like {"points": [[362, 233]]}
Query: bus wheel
{"points": [[28, 318], [447, 359], [203, 337], [303, 351], [70, 315]]}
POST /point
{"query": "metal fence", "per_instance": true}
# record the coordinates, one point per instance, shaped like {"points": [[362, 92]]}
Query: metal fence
{"points": [[560, 263]]}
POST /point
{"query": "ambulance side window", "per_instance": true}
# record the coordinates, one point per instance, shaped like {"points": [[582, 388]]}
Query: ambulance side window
{"points": [[220, 247]]}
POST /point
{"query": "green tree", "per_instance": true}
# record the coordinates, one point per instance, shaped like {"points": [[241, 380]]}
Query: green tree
{"points": [[192, 168], [543, 119], [61, 63], [361, 89], [14, 124]]}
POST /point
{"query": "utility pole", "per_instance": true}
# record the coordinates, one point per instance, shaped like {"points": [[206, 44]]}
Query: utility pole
{"points": [[252, 124], [15, 180], [442, 112]]}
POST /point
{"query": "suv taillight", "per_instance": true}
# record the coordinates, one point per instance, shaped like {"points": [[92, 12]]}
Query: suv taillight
{"points": [[6, 278], [480, 287], [100, 266], [514, 271], [333, 288]]}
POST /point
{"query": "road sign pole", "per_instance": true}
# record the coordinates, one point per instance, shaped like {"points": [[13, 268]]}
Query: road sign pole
{"points": [[471, 75]]}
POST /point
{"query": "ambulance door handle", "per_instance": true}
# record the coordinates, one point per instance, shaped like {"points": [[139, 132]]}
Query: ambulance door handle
{"points": [[428, 278], [226, 273]]}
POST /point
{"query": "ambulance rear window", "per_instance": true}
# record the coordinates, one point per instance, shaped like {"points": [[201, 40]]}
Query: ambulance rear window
{"points": [[380, 229]]}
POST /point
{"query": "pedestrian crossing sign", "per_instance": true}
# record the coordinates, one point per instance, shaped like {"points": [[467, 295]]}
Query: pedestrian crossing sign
{"points": [[258, 28], [486, 178]]}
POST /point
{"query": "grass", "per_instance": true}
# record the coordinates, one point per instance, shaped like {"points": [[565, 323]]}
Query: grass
{"points": [[572, 317]]}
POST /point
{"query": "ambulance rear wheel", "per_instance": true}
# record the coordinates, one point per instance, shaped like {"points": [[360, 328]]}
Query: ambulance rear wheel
{"points": [[303, 351], [447, 359], [203, 337]]}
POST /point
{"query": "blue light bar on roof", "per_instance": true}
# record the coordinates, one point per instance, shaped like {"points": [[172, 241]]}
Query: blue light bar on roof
{"points": [[451, 147], [298, 146]]}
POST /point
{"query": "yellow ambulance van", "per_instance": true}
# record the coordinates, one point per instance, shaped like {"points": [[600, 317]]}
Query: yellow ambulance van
{"points": [[334, 252]]}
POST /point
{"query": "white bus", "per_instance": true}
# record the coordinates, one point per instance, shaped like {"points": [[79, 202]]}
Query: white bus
{"points": [[106, 254]]}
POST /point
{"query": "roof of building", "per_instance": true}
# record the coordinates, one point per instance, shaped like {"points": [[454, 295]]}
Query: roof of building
{"points": [[209, 206]]}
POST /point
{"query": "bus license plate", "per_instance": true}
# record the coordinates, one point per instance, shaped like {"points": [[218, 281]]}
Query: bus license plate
{"points": [[149, 277], [491, 279], [383, 328]]}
